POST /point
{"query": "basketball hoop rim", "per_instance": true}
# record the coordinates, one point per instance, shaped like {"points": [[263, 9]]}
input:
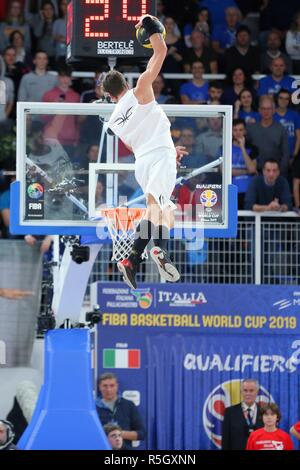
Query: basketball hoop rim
{"points": [[123, 218], [133, 212]]}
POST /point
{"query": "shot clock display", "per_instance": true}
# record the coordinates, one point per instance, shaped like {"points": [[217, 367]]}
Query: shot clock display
{"points": [[105, 28]]}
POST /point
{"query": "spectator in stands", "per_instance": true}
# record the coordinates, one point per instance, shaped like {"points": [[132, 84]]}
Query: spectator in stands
{"points": [[91, 126], [173, 60], [32, 9], [6, 435], [60, 33], [223, 36], [278, 15], [295, 430], [114, 436], [243, 160], [217, 10], [16, 40], [240, 420], [289, 119], [215, 91], [244, 107], [43, 31], [188, 141], [187, 196], [200, 52], [113, 408], [271, 84], [209, 142], [269, 136], [196, 90], [158, 87], [160, 14], [13, 69], [269, 191], [6, 105], [35, 84], [238, 80], [201, 23], [292, 43], [64, 128], [14, 21], [160, 10], [273, 51], [270, 437], [242, 54]]}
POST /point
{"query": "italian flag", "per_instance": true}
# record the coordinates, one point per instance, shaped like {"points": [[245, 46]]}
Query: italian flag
{"points": [[122, 358]]}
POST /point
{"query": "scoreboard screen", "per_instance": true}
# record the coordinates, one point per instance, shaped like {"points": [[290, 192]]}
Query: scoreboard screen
{"points": [[105, 28]]}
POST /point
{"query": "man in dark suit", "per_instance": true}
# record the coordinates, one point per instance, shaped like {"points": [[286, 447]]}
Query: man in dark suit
{"points": [[241, 419]]}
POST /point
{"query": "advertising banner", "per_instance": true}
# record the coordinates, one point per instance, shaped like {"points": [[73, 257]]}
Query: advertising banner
{"points": [[180, 351]]}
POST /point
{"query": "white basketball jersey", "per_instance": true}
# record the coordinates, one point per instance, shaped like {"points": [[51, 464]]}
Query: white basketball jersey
{"points": [[143, 127]]}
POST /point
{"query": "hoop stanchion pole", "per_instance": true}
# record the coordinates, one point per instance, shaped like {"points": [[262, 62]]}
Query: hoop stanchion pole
{"points": [[65, 417]]}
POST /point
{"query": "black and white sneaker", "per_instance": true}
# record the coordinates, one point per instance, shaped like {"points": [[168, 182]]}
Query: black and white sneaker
{"points": [[128, 270], [167, 269]]}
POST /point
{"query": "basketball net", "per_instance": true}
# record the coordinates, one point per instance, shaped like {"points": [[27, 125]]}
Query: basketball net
{"points": [[122, 223]]}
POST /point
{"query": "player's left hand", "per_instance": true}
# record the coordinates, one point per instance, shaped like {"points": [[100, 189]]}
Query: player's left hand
{"points": [[139, 24], [180, 153]]}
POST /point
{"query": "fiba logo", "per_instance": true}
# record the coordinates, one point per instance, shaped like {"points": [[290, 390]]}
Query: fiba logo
{"points": [[226, 394], [296, 94], [208, 198], [35, 191]]}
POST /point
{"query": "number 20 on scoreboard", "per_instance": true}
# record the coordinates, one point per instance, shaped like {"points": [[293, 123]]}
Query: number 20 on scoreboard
{"points": [[105, 28]]}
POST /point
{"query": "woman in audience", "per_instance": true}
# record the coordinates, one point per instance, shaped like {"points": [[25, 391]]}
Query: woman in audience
{"points": [[173, 60], [16, 40], [202, 22], [244, 107], [14, 21], [237, 82], [43, 31], [59, 33]]}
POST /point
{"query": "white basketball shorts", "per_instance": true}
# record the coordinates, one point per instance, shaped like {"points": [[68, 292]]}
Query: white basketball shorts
{"points": [[156, 172]]}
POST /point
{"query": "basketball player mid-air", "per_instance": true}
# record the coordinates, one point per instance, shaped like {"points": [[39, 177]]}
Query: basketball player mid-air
{"points": [[145, 129]]}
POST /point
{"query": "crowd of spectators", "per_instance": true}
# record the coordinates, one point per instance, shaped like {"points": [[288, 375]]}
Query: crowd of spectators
{"points": [[233, 37]]}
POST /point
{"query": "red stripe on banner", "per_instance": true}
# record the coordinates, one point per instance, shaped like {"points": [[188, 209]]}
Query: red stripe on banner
{"points": [[134, 358]]}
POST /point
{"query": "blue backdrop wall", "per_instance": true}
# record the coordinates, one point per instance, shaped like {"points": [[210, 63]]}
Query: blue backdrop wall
{"points": [[181, 351]]}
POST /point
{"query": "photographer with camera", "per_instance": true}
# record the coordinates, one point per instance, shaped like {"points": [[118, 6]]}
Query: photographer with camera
{"points": [[6, 435]]}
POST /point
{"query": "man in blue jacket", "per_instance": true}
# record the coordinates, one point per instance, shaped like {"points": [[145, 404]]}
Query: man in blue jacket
{"points": [[112, 408]]}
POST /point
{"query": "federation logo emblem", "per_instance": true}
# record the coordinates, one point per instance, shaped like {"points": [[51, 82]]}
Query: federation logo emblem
{"points": [[35, 191], [143, 297], [224, 395], [208, 198]]}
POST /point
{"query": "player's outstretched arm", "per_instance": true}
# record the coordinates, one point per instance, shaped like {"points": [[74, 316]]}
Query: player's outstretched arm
{"points": [[143, 90]]}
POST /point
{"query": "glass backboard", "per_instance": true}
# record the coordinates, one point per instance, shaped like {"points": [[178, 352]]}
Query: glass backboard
{"points": [[69, 167]]}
